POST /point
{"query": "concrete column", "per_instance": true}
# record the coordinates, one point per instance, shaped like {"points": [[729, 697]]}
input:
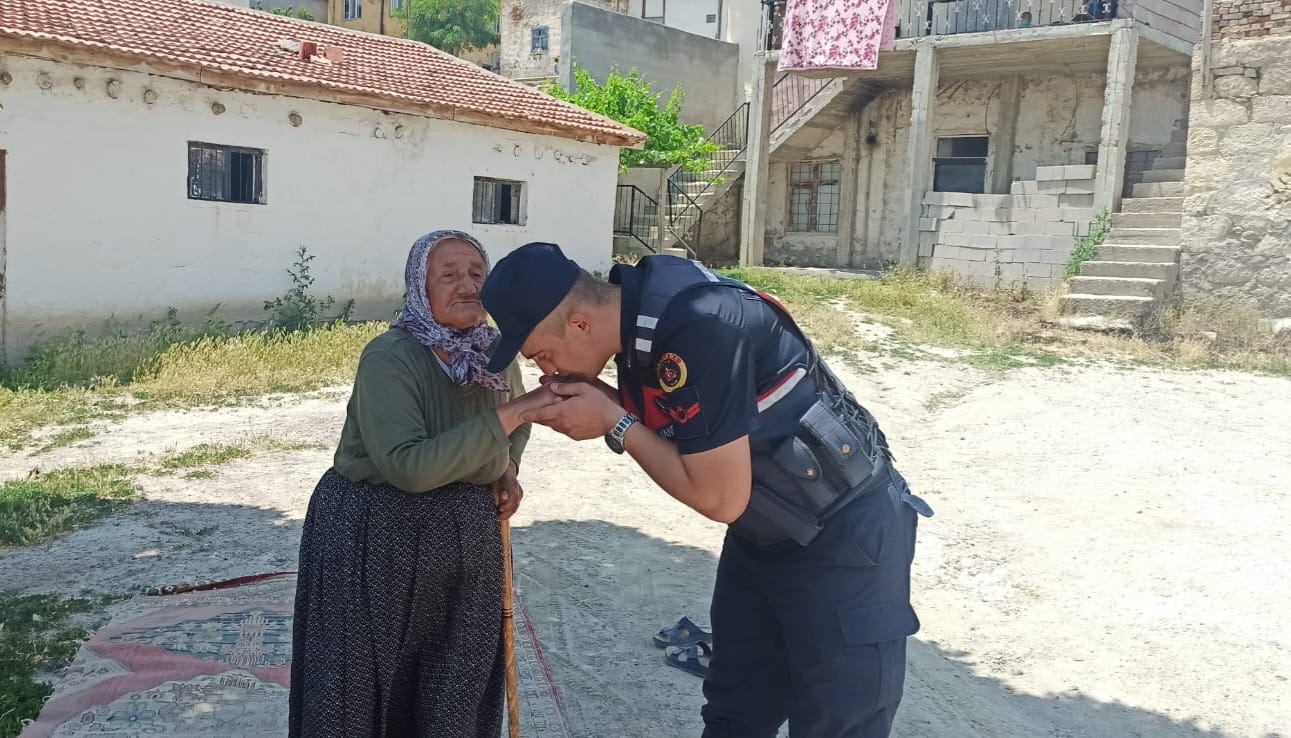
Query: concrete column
{"points": [[847, 190], [1122, 59], [757, 154], [1005, 140], [923, 100]]}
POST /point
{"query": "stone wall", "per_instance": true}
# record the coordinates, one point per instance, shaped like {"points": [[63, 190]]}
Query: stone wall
{"points": [[1251, 18], [1002, 240], [1236, 242]]}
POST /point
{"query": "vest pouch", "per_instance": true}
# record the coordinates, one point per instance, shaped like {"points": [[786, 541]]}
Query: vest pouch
{"points": [[844, 449], [782, 517], [795, 458]]}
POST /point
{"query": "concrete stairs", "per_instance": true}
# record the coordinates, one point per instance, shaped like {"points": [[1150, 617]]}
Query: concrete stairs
{"points": [[1137, 267]]}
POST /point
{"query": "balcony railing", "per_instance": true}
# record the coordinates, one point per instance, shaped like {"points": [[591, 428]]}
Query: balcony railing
{"points": [[916, 18]]}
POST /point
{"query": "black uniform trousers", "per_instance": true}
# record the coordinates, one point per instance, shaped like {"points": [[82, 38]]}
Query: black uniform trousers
{"points": [[816, 634]]}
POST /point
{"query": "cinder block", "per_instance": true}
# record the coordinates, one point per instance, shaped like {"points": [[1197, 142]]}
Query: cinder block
{"points": [[1001, 229], [1039, 269], [1080, 189], [1076, 201], [956, 199], [1053, 187], [1081, 171], [1077, 215], [925, 250], [992, 201], [1022, 215], [934, 198], [1030, 187], [1083, 229], [1050, 174], [928, 224], [1054, 256], [954, 225], [1060, 229], [1047, 215], [983, 242], [954, 239], [1016, 188]]}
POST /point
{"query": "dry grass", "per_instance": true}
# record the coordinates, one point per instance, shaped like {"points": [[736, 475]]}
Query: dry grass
{"points": [[65, 386], [1013, 327]]}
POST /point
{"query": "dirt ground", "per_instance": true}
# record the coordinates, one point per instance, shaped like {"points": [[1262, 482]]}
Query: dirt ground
{"points": [[1103, 562]]}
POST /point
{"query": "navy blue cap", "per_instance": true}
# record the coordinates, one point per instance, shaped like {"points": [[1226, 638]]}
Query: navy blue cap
{"points": [[521, 291]]}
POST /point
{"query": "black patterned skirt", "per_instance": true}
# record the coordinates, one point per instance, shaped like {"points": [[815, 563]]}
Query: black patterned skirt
{"points": [[398, 628]]}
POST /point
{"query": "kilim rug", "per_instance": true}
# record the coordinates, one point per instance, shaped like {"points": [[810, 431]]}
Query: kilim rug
{"points": [[215, 660]]}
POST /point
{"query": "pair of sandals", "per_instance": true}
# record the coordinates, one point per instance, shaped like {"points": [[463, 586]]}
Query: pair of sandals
{"points": [[686, 646]]}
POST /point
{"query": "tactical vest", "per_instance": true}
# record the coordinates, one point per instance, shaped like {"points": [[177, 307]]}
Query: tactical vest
{"points": [[837, 453]]}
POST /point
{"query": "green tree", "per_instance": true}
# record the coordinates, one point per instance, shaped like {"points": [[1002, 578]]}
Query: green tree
{"points": [[289, 11], [630, 100], [451, 25]]}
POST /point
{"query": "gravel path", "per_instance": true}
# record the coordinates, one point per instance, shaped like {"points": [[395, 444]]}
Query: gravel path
{"points": [[1103, 561]]}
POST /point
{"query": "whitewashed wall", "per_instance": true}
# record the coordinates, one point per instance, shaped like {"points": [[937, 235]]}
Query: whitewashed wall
{"points": [[99, 223]]}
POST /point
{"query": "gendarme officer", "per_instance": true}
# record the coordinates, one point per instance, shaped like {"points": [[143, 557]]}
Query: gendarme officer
{"points": [[729, 408]]}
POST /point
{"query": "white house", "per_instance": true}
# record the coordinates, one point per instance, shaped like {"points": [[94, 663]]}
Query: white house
{"points": [[159, 153]]}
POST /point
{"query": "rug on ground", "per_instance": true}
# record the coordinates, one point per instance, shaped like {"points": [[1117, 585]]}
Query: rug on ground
{"points": [[216, 660]]}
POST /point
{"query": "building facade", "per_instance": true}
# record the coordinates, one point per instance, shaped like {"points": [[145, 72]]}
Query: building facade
{"points": [[187, 187]]}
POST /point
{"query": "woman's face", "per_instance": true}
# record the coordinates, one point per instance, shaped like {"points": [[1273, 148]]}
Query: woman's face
{"points": [[455, 272]]}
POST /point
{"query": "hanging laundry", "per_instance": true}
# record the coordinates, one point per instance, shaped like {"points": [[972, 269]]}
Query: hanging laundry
{"points": [[836, 34]]}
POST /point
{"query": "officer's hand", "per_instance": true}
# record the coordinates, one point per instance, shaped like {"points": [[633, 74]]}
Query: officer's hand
{"points": [[585, 414]]}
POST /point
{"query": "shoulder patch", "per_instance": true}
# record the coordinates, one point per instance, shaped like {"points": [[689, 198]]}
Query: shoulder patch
{"points": [[671, 371]]}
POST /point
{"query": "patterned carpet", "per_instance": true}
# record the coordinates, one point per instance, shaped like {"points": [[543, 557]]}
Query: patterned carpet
{"points": [[217, 662]]}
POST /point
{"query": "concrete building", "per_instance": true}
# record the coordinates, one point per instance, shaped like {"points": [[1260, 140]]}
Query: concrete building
{"points": [[983, 144], [143, 166], [670, 41]]}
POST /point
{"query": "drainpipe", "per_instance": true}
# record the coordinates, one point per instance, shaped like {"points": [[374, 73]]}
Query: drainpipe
{"points": [[1207, 27]]}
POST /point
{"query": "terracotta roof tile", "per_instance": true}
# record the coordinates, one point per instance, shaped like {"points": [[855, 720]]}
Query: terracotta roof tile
{"points": [[230, 46]]}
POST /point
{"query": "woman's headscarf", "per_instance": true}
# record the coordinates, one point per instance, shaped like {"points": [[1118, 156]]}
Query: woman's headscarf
{"points": [[467, 349]]}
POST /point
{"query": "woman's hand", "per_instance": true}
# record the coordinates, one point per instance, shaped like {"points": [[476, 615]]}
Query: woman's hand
{"points": [[512, 412], [596, 382], [507, 492]]}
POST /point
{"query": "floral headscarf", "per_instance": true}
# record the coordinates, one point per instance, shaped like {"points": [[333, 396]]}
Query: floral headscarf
{"points": [[468, 350]]}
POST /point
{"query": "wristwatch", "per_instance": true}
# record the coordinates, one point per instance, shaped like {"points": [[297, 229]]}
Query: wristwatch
{"points": [[614, 439]]}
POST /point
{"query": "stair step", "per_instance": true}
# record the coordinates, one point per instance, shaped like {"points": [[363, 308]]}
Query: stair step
{"points": [[1108, 305], [1133, 269], [1169, 162], [1163, 175], [1138, 252], [1149, 236], [1152, 205], [1119, 286], [1146, 220], [1158, 189]]}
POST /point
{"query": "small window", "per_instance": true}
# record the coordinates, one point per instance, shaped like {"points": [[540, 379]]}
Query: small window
{"points": [[653, 11], [225, 174], [353, 9], [539, 40], [960, 164], [710, 18], [814, 197], [395, 5], [498, 201]]}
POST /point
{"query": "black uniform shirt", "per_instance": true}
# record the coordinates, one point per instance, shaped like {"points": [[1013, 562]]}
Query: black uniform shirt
{"points": [[719, 352]]}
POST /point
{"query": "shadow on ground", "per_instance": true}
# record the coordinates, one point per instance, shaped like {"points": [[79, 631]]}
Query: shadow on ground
{"points": [[596, 592]]}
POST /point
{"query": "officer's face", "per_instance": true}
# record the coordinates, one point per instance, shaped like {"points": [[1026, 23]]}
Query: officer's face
{"points": [[565, 347], [454, 274]]}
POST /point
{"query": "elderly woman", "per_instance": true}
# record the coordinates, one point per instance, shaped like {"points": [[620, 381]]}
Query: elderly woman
{"points": [[398, 628]]}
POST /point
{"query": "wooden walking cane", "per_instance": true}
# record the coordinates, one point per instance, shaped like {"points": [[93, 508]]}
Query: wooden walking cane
{"points": [[509, 637]]}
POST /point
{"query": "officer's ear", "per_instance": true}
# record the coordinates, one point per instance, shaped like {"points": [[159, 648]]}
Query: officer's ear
{"points": [[580, 322]]}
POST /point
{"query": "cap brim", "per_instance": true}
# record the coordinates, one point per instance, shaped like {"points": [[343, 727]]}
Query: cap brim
{"points": [[505, 352]]}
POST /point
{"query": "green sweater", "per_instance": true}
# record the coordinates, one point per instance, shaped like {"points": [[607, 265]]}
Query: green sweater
{"points": [[411, 426]]}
